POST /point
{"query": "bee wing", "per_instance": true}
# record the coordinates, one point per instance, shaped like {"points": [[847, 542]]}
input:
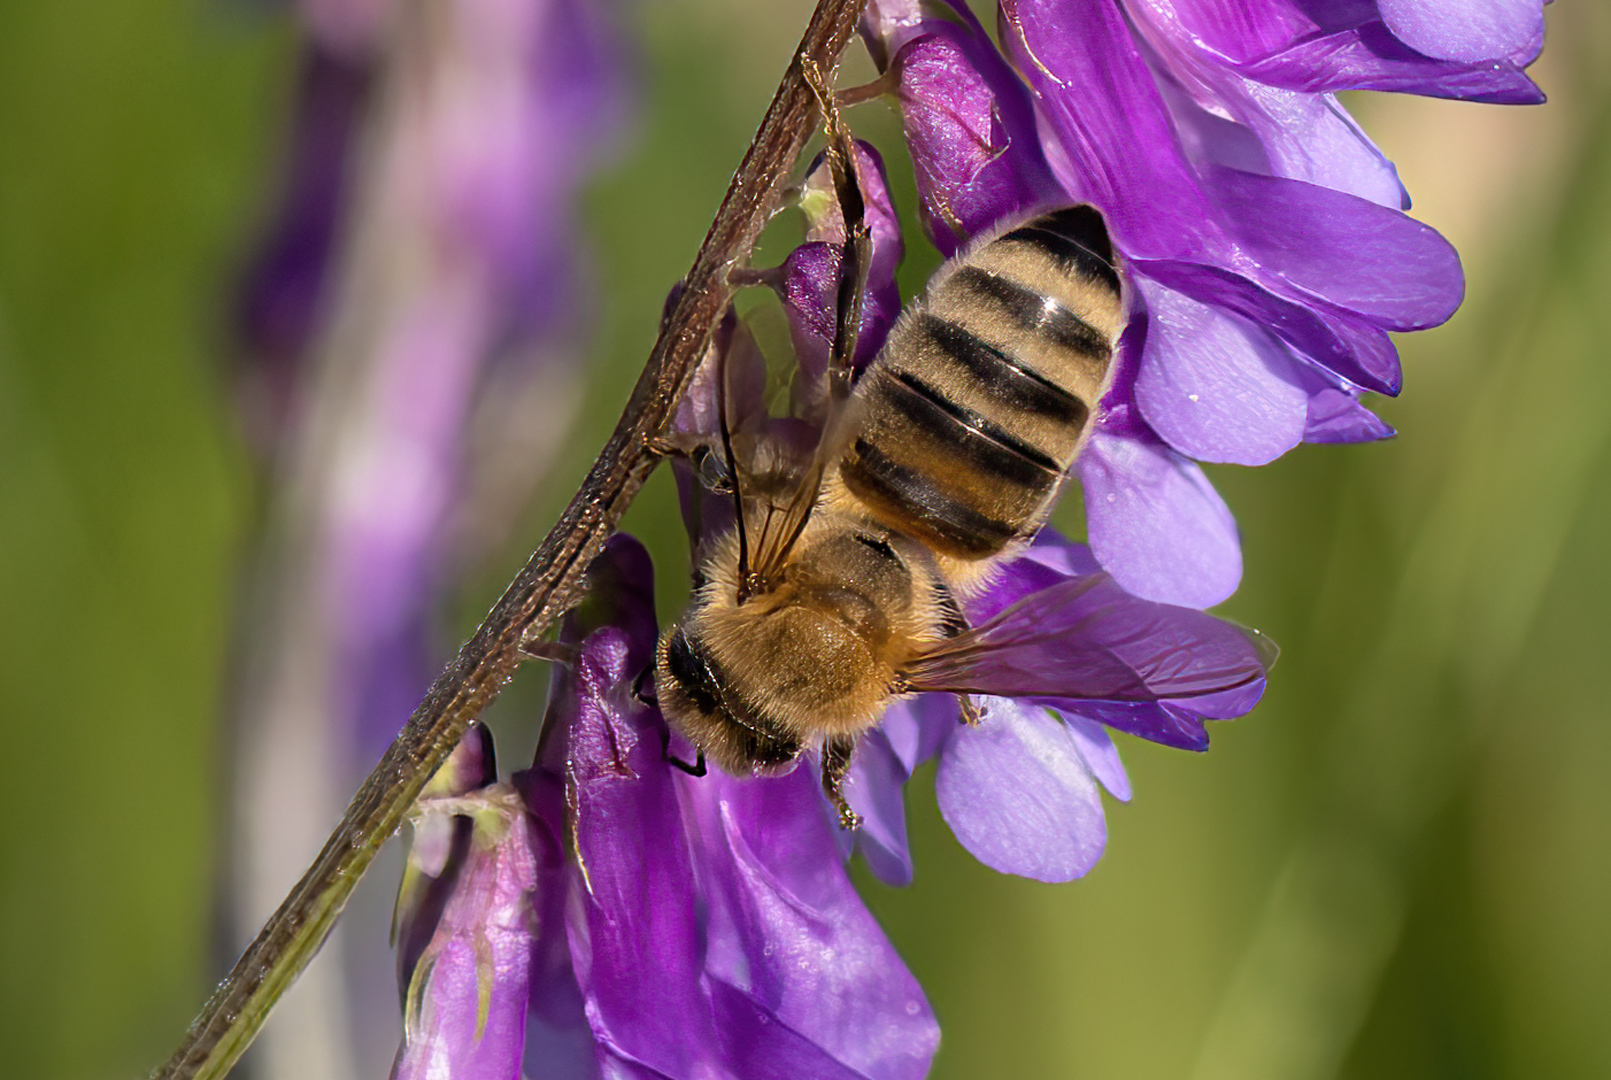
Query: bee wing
{"points": [[1084, 638], [783, 520]]}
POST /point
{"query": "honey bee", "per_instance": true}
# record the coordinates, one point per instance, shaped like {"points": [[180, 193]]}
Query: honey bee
{"points": [[827, 601]]}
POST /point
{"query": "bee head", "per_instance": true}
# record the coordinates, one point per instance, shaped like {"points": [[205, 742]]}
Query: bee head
{"points": [[696, 701]]}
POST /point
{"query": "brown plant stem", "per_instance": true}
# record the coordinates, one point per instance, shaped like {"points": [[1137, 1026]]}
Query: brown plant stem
{"points": [[549, 584]]}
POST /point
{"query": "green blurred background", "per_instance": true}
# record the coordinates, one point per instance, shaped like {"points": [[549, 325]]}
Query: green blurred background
{"points": [[1398, 866]]}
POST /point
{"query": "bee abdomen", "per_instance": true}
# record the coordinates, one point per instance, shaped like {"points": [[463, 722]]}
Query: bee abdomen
{"points": [[908, 499], [979, 402], [1076, 239]]}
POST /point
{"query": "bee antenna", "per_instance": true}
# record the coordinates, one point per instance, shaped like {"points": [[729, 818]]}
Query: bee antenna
{"points": [[737, 482]]}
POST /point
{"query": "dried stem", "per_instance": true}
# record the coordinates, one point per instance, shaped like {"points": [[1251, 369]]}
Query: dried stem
{"points": [[546, 587]]}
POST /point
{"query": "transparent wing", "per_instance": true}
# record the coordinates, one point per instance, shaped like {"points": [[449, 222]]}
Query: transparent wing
{"points": [[1085, 639]]}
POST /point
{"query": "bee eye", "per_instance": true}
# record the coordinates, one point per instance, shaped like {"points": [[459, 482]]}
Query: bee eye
{"points": [[692, 672]]}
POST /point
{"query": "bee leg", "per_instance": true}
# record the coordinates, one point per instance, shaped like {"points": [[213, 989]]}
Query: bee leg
{"points": [[557, 652], [836, 751], [643, 695], [971, 713], [887, 83], [696, 769], [678, 445], [709, 464]]}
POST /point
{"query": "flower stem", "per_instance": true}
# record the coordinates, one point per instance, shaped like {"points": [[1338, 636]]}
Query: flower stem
{"points": [[545, 588]]}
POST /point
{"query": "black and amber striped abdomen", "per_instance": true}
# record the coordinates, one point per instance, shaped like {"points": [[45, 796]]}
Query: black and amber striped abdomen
{"points": [[979, 402]]}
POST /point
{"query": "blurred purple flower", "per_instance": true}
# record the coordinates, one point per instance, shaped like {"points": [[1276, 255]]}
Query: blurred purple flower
{"points": [[1263, 232], [444, 259], [285, 288], [417, 319]]}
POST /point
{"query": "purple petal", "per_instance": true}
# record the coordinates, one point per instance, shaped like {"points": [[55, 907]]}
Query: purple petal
{"points": [[1017, 794], [1287, 133], [758, 1047], [1228, 119], [1239, 701], [1104, 111], [1469, 30], [559, 1041], [874, 788], [1215, 386], [1156, 524], [1164, 723], [1335, 416], [1305, 46], [1311, 137], [1378, 263], [1057, 552], [787, 927], [917, 727], [638, 912], [971, 131], [466, 1002], [1339, 341], [609, 1065], [437, 849], [1099, 754]]}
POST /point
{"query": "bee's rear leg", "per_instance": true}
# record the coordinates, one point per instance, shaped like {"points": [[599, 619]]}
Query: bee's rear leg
{"points": [[836, 752]]}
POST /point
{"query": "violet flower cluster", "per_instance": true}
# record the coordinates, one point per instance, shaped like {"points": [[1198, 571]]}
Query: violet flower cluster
{"points": [[1263, 232], [679, 926]]}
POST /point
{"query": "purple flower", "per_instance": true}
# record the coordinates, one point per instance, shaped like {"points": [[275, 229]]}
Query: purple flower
{"points": [[808, 281], [1262, 231], [466, 923], [652, 924], [286, 287]]}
